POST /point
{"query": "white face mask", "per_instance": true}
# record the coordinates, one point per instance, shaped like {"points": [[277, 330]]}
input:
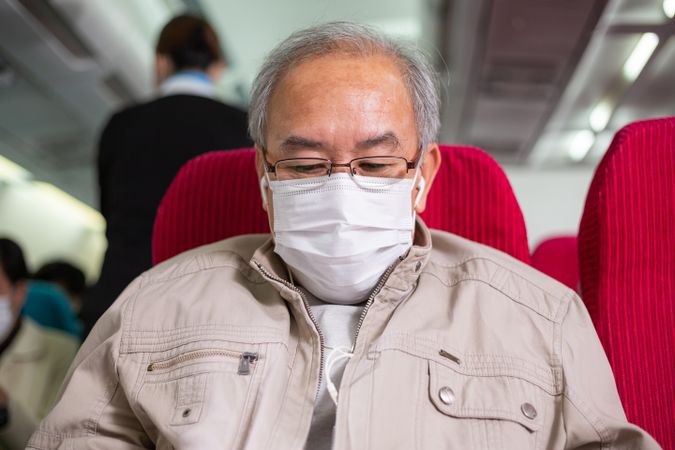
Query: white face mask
{"points": [[338, 237], [6, 316]]}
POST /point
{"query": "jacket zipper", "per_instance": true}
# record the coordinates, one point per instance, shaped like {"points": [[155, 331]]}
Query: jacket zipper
{"points": [[309, 313], [371, 299], [450, 356], [245, 359]]}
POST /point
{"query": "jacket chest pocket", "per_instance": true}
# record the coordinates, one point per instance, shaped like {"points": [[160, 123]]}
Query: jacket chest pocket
{"points": [[482, 412], [200, 398]]}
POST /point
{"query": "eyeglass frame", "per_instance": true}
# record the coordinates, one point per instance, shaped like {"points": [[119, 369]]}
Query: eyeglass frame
{"points": [[272, 168]]}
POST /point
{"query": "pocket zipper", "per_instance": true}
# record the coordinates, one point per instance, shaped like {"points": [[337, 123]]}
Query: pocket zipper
{"points": [[245, 359]]}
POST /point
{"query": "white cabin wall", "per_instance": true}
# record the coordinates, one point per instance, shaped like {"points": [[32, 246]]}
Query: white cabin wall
{"points": [[552, 200], [49, 229]]}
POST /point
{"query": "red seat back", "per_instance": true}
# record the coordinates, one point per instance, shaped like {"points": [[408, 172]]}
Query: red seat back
{"points": [[559, 259], [472, 197], [216, 196], [627, 262]]}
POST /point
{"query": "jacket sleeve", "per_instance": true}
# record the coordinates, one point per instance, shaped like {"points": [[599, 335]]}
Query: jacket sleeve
{"points": [[592, 412], [92, 410]]}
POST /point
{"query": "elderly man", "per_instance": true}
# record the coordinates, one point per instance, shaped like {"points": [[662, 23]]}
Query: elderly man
{"points": [[353, 326]]}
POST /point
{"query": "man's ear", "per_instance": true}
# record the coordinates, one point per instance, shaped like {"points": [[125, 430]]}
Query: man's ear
{"points": [[265, 191], [260, 170], [428, 170]]}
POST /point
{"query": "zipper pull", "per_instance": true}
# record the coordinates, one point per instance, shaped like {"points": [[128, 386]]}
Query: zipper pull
{"points": [[245, 361], [450, 356]]}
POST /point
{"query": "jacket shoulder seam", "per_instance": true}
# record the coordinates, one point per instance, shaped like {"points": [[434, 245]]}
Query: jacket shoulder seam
{"points": [[472, 277], [503, 267], [204, 262], [497, 281]]}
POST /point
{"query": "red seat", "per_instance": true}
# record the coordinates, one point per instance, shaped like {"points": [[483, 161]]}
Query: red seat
{"points": [[627, 262], [558, 258], [216, 195], [472, 197]]}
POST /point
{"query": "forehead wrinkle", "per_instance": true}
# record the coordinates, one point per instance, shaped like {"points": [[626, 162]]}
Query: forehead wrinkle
{"points": [[355, 104]]}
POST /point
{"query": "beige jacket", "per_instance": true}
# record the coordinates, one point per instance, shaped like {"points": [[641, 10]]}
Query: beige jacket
{"points": [[461, 347], [32, 369]]}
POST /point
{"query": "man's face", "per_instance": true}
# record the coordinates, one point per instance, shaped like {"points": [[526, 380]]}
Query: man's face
{"points": [[341, 107]]}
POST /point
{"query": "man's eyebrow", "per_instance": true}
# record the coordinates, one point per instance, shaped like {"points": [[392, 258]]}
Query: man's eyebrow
{"points": [[385, 139], [388, 139], [293, 142]]}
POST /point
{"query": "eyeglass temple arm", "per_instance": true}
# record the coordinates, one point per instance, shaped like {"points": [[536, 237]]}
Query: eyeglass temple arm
{"points": [[269, 168], [419, 161]]}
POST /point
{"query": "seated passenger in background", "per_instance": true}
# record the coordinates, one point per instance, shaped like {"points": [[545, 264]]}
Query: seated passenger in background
{"points": [[143, 147], [68, 277], [353, 326], [48, 305], [33, 360]]}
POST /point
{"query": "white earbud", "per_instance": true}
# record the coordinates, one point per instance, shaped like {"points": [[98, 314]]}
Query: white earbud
{"points": [[264, 184], [420, 190]]}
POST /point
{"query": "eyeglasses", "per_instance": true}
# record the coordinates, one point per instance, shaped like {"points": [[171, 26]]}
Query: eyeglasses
{"points": [[391, 167]]}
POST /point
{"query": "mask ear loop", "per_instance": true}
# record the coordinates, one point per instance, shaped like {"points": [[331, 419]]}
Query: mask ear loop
{"points": [[422, 184], [420, 191], [264, 184], [336, 355]]}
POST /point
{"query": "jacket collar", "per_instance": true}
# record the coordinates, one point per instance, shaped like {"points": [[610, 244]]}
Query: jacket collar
{"points": [[407, 272], [402, 278]]}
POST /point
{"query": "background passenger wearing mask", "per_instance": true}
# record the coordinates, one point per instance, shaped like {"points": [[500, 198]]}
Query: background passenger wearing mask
{"points": [[33, 360], [143, 147]]}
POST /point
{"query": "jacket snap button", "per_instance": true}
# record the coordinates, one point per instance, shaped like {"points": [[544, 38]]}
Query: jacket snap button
{"points": [[529, 410], [446, 395], [187, 412]]}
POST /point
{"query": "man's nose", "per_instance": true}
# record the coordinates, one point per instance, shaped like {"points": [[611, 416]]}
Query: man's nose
{"points": [[341, 168]]}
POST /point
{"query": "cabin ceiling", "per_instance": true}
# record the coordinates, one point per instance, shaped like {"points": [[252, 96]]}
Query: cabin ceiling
{"points": [[521, 78]]}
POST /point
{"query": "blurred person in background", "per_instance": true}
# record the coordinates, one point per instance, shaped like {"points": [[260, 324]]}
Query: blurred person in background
{"points": [[143, 147], [33, 360], [68, 277], [48, 305]]}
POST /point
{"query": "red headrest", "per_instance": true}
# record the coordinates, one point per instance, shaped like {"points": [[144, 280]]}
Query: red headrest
{"points": [[216, 196], [472, 197], [627, 263]]}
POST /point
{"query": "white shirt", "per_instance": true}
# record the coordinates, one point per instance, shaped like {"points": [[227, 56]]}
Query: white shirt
{"points": [[191, 82], [338, 325]]}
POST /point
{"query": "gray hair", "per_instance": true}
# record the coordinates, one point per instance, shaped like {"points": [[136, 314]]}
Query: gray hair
{"points": [[352, 38]]}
